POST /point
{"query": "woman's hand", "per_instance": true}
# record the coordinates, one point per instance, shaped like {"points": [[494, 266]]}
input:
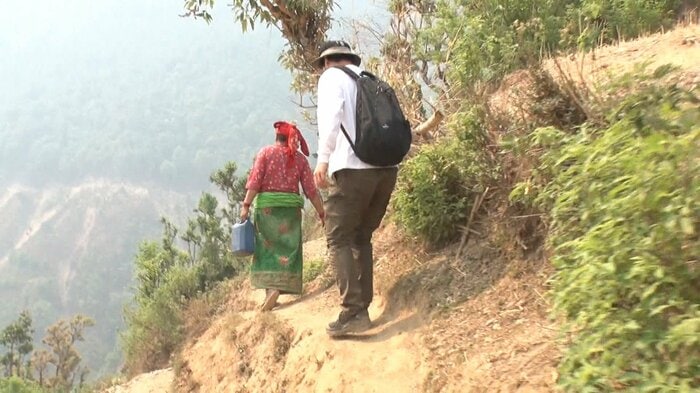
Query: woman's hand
{"points": [[318, 205], [245, 212], [322, 217]]}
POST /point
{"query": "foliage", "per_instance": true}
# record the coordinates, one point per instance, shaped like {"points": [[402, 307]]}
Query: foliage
{"points": [[625, 218], [303, 23], [154, 325], [61, 339], [436, 188], [40, 362], [170, 278], [17, 338], [483, 40], [312, 268], [233, 187], [591, 22], [61, 354], [17, 385]]}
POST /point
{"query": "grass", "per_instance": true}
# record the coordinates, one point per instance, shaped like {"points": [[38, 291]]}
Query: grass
{"points": [[312, 269]]}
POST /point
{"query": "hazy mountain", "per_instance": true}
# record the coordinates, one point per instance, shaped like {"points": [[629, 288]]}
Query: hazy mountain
{"points": [[130, 90], [113, 113], [68, 250]]}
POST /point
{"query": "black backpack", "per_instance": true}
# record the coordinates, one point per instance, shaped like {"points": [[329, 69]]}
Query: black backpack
{"points": [[383, 135]]}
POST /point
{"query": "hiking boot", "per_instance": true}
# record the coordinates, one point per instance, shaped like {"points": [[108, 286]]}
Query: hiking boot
{"points": [[348, 323]]}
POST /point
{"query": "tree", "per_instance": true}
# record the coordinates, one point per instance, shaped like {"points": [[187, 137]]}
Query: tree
{"points": [[61, 338], [169, 277], [40, 362], [403, 64], [154, 261], [303, 23], [234, 188], [208, 233], [17, 338]]}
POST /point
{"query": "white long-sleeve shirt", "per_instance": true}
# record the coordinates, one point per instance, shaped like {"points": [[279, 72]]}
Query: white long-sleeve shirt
{"points": [[337, 93]]}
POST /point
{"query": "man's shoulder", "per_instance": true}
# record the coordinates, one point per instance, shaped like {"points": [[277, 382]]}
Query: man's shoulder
{"points": [[335, 73]]}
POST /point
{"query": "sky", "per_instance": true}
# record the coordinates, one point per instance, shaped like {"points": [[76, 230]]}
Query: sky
{"points": [[42, 42], [58, 44]]}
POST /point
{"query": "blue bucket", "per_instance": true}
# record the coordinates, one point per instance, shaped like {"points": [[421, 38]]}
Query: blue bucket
{"points": [[243, 239]]}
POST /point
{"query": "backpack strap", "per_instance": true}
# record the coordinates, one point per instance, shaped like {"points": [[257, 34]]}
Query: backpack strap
{"points": [[354, 77], [348, 71]]}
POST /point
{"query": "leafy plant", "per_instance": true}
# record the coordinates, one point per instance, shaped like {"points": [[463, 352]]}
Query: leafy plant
{"points": [[169, 278], [481, 41], [436, 188], [625, 222], [312, 268], [17, 385], [17, 338]]}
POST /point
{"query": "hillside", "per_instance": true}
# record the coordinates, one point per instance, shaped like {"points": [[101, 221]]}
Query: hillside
{"points": [[68, 249], [112, 115], [474, 322]]}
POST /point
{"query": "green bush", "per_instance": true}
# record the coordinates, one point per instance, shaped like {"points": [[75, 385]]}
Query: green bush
{"points": [[436, 188], [590, 22], [312, 268], [483, 40], [17, 385], [173, 283], [625, 229], [155, 327]]}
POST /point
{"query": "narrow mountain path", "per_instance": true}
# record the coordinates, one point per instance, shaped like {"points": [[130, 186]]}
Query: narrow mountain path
{"points": [[385, 358], [288, 349]]}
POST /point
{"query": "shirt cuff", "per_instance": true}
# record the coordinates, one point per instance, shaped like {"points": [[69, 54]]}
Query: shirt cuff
{"points": [[323, 157]]}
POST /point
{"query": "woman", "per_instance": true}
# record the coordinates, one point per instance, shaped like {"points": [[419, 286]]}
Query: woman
{"points": [[273, 184]]}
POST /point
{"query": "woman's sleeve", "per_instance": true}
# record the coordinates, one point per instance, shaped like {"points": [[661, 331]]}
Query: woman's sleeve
{"points": [[257, 173], [307, 177]]}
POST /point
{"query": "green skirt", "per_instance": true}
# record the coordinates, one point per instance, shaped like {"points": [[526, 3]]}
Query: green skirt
{"points": [[278, 257]]}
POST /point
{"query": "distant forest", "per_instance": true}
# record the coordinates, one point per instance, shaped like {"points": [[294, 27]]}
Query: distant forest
{"points": [[126, 91], [165, 101]]}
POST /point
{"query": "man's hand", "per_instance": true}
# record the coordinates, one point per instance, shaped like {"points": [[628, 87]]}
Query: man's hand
{"points": [[321, 175]]}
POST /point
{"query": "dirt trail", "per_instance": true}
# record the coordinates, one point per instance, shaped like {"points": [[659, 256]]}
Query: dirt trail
{"points": [[288, 350], [386, 358], [495, 341], [155, 382]]}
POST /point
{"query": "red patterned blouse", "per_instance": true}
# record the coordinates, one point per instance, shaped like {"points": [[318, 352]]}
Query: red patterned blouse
{"points": [[271, 173]]}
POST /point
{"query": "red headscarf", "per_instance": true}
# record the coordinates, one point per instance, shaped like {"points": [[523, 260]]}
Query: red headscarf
{"points": [[294, 139]]}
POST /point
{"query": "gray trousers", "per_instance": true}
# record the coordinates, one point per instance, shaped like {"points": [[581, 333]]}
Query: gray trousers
{"points": [[354, 208]]}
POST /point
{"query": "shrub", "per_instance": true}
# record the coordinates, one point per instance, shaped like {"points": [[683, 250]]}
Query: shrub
{"points": [[591, 22], [625, 229], [482, 40], [17, 385], [436, 188], [156, 328], [312, 268]]}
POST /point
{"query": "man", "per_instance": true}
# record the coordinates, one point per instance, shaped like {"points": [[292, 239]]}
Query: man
{"points": [[359, 195]]}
